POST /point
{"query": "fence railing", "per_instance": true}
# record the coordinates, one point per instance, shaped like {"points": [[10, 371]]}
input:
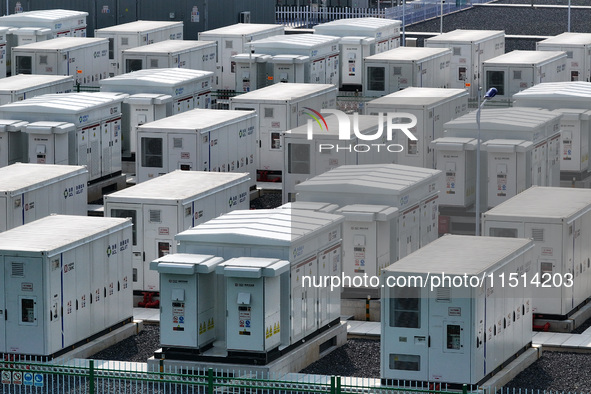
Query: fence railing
{"points": [[416, 11], [306, 16], [98, 377], [107, 377]]}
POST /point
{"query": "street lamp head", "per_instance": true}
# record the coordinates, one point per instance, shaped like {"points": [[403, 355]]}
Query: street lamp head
{"points": [[492, 92]]}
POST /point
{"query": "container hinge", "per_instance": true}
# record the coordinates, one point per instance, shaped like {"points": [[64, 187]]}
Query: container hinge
{"points": [[260, 144], [144, 257], [76, 304], [429, 341], [5, 314]]}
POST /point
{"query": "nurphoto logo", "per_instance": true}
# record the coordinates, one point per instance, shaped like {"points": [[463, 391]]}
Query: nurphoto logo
{"points": [[393, 122]]}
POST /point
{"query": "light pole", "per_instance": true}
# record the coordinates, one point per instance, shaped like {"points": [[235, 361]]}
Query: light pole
{"points": [[492, 92], [568, 27]]}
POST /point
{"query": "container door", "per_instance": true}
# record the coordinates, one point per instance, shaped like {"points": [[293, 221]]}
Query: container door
{"points": [[409, 231], [429, 220], [24, 317], [111, 146], [229, 47], [2, 305], [151, 150], [450, 326], [298, 304], [329, 265], [94, 136], [407, 355], [160, 227], [182, 153], [273, 122], [134, 212]]}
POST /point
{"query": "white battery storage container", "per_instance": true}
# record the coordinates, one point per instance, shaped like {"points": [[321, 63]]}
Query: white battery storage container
{"points": [[251, 71], [32, 191], [561, 246], [536, 126], [187, 314], [198, 140], [385, 32], [309, 240], [291, 68], [135, 34], [305, 158], [457, 335], [368, 232], [469, 49], [14, 144], [519, 70], [73, 128], [163, 207], [4, 32], [192, 54], [186, 89], [322, 51], [233, 40], [578, 52], [24, 86], [253, 304], [353, 51], [61, 23], [281, 107], [54, 296], [433, 107], [456, 157], [412, 190], [27, 35], [399, 68], [86, 59], [571, 99]]}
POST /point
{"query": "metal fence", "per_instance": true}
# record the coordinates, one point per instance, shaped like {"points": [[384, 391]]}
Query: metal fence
{"points": [[98, 377], [412, 12], [102, 377], [306, 16]]}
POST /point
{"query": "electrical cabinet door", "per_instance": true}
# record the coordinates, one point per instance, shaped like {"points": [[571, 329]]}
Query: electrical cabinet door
{"points": [[273, 122], [2, 310], [24, 317], [160, 227]]}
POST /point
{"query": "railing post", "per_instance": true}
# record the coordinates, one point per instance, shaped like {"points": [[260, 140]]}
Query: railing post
{"points": [[338, 385], [464, 389], [333, 385], [210, 381], [91, 389]]}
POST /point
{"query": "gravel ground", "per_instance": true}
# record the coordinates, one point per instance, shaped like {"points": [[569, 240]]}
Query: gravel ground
{"points": [[519, 21], [567, 372], [136, 348], [266, 201], [358, 357]]}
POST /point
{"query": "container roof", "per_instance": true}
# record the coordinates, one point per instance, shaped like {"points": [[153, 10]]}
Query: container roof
{"points": [[198, 119], [369, 24], [577, 90], [283, 92], [157, 76], [295, 41], [390, 179], [365, 122], [525, 57], [185, 263], [69, 103], [569, 39], [253, 267], [180, 185], [277, 227], [139, 26], [418, 97], [169, 46], [42, 15], [409, 53], [23, 175], [63, 43], [242, 29], [513, 118], [544, 202], [26, 81], [459, 255], [57, 231], [466, 36]]}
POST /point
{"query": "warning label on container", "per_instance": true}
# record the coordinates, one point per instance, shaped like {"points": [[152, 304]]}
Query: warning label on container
{"points": [[244, 316], [178, 316], [501, 185], [359, 256], [567, 149], [6, 377]]}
